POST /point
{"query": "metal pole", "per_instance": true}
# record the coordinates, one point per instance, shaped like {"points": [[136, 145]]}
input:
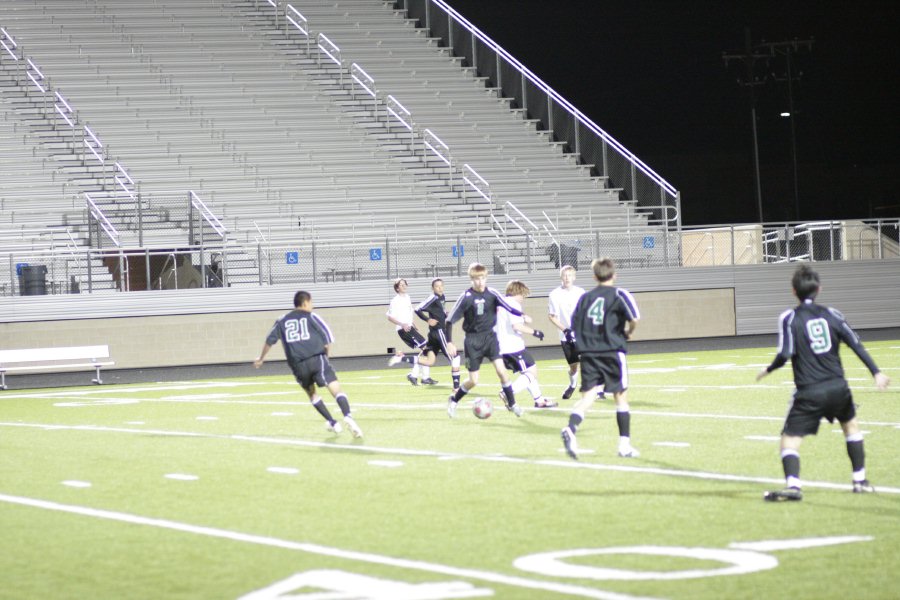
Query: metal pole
{"points": [[459, 253], [387, 251], [147, 267], [759, 205], [315, 279], [793, 119]]}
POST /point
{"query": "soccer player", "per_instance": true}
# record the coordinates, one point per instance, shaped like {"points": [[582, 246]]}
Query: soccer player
{"points": [[400, 313], [603, 321], [561, 305], [307, 340], [516, 357], [432, 310], [809, 335], [478, 307]]}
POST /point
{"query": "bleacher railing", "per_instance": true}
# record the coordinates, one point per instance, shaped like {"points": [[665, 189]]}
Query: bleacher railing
{"points": [[610, 158], [283, 257]]}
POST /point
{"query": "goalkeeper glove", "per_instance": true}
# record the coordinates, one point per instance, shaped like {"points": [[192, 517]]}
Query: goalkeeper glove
{"points": [[538, 334]]}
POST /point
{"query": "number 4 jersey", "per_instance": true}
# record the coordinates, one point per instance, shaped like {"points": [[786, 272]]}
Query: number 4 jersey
{"points": [[304, 334], [809, 336], [599, 319]]}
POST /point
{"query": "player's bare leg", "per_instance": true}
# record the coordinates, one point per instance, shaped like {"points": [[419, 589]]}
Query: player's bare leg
{"points": [[319, 404]]}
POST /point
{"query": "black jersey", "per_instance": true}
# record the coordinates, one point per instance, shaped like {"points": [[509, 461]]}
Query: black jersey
{"points": [[599, 319], [304, 334], [809, 335], [433, 307], [479, 310]]}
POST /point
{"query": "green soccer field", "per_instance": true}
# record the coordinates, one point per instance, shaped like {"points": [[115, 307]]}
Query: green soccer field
{"points": [[234, 489]]}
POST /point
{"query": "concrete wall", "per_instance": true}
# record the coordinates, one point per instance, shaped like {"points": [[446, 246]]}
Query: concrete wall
{"points": [[233, 337], [165, 328]]}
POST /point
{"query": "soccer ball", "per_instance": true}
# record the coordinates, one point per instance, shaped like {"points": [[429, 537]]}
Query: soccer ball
{"points": [[482, 408]]}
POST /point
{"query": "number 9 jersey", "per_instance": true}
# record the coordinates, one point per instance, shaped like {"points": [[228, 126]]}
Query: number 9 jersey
{"points": [[304, 334], [809, 335]]}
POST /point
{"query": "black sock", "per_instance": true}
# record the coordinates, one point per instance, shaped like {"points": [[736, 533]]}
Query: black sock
{"points": [[458, 394], [510, 394], [574, 421], [857, 454], [411, 359], [344, 405], [623, 420], [323, 410], [791, 464]]}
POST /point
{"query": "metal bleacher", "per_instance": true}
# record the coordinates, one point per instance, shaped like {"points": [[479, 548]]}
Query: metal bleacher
{"points": [[221, 98]]}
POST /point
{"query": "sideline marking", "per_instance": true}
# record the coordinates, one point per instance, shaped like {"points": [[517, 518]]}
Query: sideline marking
{"points": [[76, 484], [181, 477], [207, 418], [386, 463], [673, 444], [283, 470], [762, 438], [403, 563], [569, 464], [775, 545]]}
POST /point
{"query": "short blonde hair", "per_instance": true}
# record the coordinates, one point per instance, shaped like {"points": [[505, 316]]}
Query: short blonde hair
{"points": [[517, 288], [566, 268], [476, 269]]}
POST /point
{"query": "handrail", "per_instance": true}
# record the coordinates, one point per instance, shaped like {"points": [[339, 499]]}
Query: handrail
{"points": [[208, 215], [3, 40], [98, 214], [581, 117]]}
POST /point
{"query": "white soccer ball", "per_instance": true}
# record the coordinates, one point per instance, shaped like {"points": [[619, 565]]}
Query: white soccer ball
{"points": [[482, 408]]}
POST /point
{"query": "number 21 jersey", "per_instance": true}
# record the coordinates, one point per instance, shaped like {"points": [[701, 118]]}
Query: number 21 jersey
{"points": [[304, 334]]}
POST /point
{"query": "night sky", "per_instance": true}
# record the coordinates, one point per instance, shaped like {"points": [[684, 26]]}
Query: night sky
{"points": [[651, 73]]}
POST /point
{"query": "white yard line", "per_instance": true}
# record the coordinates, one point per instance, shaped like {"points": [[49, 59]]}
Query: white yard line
{"points": [[448, 455], [316, 549]]}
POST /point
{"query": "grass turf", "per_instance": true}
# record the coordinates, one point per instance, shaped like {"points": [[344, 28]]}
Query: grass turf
{"points": [[266, 493]]}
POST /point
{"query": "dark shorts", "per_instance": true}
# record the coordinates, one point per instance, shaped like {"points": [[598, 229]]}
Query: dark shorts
{"points": [[479, 346], [811, 404], [570, 352], [412, 338], [608, 370], [437, 343], [518, 362], [314, 370]]}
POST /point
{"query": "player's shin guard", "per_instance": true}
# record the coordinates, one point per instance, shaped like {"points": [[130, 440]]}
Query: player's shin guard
{"points": [[454, 370], [343, 403], [575, 420], [857, 453], [623, 420], [458, 394], [534, 388], [323, 410], [790, 461]]}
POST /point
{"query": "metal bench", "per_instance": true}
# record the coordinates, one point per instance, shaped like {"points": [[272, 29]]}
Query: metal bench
{"points": [[43, 359]]}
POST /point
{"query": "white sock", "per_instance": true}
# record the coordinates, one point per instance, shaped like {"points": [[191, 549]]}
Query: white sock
{"points": [[535, 388], [426, 372], [573, 380], [520, 383]]}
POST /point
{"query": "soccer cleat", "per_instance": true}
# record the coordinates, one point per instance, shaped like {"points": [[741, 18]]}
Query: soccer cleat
{"points": [[787, 494], [863, 487], [628, 452], [568, 438], [429, 381], [353, 427], [517, 410], [335, 427], [502, 397], [395, 359], [545, 403], [568, 393], [451, 408], [412, 379]]}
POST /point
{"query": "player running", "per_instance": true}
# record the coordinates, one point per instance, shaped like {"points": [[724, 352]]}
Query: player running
{"points": [[307, 340], [603, 321], [432, 310], [516, 356], [400, 313], [478, 307]]}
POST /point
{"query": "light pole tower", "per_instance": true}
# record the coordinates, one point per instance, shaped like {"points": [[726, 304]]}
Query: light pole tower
{"points": [[750, 80], [788, 50]]}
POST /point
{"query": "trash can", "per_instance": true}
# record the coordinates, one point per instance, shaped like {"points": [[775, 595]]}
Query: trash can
{"points": [[33, 280]]}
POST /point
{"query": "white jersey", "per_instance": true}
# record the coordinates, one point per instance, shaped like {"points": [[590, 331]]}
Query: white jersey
{"points": [[510, 340], [401, 309], [562, 305]]}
